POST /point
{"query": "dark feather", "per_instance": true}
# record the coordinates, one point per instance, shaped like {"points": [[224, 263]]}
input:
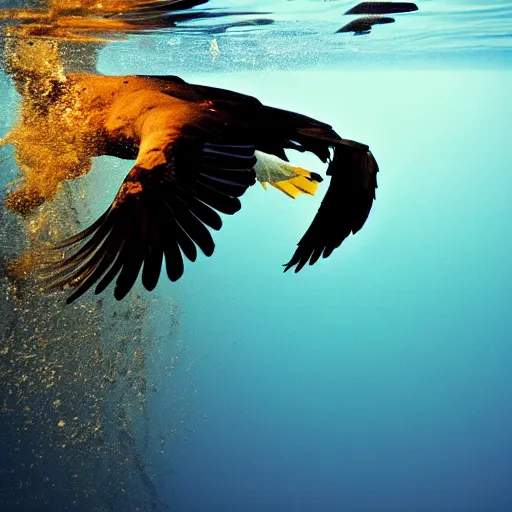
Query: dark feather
{"points": [[192, 226], [165, 212], [173, 260], [344, 208], [157, 213], [202, 211]]}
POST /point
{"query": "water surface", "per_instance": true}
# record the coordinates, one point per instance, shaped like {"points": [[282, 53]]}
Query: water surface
{"points": [[376, 380]]}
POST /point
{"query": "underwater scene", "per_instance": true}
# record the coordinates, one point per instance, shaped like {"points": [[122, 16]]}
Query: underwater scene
{"points": [[255, 255]]}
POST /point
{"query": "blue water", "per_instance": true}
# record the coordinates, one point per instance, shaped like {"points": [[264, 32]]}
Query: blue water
{"points": [[442, 33], [377, 380]]}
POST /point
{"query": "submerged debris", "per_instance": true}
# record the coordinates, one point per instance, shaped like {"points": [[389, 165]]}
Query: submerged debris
{"points": [[68, 375]]}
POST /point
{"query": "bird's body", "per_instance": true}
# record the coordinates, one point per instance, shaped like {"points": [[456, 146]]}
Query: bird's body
{"points": [[196, 150]]}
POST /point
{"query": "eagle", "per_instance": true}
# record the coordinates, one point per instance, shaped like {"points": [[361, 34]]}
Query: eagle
{"points": [[196, 151]]}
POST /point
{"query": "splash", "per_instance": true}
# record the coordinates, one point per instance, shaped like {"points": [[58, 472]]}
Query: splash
{"points": [[75, 385]]}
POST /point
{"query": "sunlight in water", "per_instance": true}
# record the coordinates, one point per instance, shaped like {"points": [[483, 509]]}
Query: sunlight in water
{"points": [[74, 382], [344, 387]]}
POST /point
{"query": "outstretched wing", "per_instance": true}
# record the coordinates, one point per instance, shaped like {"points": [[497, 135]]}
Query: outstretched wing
{"points": [[157, 214], [344, 209]]}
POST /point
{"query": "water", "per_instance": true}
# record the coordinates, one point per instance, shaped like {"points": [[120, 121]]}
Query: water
{"points": [[376, 380], [379, 380]]}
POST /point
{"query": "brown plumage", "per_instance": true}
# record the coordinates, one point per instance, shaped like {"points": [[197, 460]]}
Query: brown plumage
{"points": [[194, 148]]}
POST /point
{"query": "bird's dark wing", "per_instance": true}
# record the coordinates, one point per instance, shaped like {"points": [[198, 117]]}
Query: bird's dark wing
{"points": [[234, 106], [351, 191], [156, 215], [345, 207]]}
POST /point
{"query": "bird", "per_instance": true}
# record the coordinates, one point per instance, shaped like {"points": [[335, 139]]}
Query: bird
{"points": [[197, 150]]}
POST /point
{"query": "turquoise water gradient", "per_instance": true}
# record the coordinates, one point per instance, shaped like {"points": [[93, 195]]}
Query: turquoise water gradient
{"points": [[379, 379]]}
